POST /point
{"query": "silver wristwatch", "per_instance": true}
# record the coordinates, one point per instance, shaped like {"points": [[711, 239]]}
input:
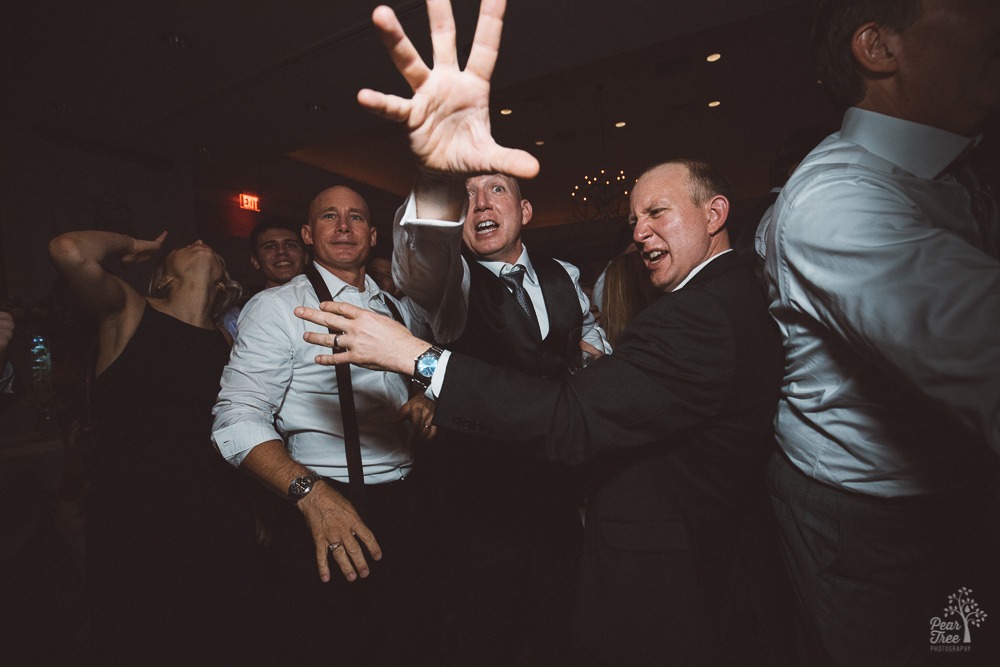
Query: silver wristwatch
{"points": [[301, 486], [425, 365]]}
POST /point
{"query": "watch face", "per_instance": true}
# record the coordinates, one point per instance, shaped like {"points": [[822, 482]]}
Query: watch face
{"points": [[300, 486], [426, 365]]}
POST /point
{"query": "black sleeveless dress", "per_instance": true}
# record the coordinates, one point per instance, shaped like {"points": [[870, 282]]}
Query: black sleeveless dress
{"points": [[169, 543]]}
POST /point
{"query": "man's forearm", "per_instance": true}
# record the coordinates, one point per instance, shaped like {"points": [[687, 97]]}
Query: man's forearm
{"points": [[271, 463]]}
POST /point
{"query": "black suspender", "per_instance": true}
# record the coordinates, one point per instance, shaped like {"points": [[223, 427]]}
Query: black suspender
{"points": [[348, 413]]}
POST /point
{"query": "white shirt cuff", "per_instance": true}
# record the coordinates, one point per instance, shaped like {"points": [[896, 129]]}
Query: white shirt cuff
{"points": [[235, 442], [437, 380], [410, 216]]}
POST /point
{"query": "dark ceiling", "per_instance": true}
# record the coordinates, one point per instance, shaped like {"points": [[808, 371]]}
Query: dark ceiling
{"points": [[263, 96]]}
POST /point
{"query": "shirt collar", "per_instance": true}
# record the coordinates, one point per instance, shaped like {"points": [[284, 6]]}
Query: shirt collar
{"points": [[698, 268], [922, 150], [338, 286], [497, 268]]}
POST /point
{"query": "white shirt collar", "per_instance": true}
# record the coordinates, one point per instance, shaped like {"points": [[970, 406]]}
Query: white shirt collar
{"points": [[698, 268], [497, 268], [336, 285], [922, 150]]}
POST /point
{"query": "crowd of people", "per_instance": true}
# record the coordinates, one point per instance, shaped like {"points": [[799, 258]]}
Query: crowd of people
{"points": [[790, 460]]}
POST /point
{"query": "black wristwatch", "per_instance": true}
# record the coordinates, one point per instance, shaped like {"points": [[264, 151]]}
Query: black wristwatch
{"points": [[425, 365], [301, 486]]}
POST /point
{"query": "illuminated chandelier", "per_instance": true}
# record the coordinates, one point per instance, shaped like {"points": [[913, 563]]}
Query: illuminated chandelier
{"points": [[604, 195]]}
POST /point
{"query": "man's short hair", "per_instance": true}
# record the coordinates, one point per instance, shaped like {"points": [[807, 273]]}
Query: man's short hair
{"points": [[833, 31], [271, 223], [706, 181]]}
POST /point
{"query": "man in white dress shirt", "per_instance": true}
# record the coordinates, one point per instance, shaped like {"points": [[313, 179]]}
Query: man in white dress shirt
{"points": [[279, 417], [884, 280]]}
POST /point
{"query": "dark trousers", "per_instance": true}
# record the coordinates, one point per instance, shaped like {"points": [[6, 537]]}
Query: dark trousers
{"points": [[514, 535], [388, 618], [873, 575]]}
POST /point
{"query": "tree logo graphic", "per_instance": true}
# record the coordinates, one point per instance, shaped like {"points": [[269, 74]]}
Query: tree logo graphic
{"points": [[966, 613]]}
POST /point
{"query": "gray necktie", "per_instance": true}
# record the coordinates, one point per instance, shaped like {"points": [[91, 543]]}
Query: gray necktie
{"points": [[514, 279]]}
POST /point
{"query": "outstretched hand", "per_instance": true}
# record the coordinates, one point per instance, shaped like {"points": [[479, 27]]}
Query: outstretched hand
{"points": [[142, 250], [448, 116], [367, 339]]}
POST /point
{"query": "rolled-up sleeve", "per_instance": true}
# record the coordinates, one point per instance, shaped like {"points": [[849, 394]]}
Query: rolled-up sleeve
{"points": [[255, 381]]}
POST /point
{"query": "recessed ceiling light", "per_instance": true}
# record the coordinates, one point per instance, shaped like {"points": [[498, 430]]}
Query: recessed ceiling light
{"points": [[506, 112], [620, 123], [176, 40], [714, 103], [315, 108], [713, 57], [539, 143]]}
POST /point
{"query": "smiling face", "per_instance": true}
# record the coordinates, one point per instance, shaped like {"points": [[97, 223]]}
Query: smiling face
{"points": [[340, 231], [280, 256], [673, 231], [496, 214]]}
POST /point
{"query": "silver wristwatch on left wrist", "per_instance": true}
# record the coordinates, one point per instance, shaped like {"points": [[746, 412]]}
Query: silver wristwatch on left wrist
{"points": [[301, 486]]}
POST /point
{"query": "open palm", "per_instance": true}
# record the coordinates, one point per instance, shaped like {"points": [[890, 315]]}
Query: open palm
{"points": [[448, 115]]}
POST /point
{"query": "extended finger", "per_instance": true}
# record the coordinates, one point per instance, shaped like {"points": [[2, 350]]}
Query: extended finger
{"points": [[404, 55], [365, 536], [323, 339], [515, 162], [333, 359], [486, 43], [390, 107], [333, 316], [442, 32], [322, 563]]}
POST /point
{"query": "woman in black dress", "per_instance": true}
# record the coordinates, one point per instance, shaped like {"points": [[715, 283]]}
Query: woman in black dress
{"points": [[169, 545]]}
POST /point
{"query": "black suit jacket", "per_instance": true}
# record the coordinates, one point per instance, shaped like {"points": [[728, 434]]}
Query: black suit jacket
{"points": [[679, 417]]}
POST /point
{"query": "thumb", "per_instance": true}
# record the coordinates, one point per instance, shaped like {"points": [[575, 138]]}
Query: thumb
{"points": [[512, 161]]}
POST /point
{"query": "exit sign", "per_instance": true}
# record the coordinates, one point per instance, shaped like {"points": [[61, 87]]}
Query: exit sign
{"points": [[249, 202]]}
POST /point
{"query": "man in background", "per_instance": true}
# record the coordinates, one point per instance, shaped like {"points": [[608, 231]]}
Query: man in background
{"points": [[276, 250]]}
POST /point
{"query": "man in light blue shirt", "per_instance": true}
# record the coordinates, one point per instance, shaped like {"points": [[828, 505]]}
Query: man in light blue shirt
{"points": [[883, 280], [280, 417]]}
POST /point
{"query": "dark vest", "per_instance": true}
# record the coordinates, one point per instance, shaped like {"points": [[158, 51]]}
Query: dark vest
{"points": [[497, 330]]}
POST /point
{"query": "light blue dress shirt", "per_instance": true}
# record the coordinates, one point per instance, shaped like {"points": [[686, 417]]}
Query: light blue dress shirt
{"points": [[889, 310], [272, 387]]}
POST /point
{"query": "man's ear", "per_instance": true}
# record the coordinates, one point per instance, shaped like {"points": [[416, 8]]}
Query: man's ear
{"points": [[526, 212], [718, 213], [307, 236], [374, 236], [874, 48], [254, 262]]}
